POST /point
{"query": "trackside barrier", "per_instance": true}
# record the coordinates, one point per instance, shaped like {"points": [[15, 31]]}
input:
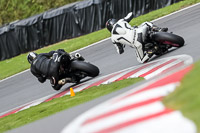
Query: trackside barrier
{"points": [[67, 22]]}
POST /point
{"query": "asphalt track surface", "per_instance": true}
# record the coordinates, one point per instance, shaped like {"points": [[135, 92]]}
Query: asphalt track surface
{"points": [[25, 88]]}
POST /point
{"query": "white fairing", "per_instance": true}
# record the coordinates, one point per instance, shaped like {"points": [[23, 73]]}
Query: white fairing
{"points": [[123, 33]]}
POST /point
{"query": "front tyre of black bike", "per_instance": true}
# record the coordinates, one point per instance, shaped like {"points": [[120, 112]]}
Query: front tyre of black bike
{"points": [[90, 69]]}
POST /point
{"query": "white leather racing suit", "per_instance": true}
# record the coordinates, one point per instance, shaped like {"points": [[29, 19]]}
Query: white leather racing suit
{"points": [[123, 34]]}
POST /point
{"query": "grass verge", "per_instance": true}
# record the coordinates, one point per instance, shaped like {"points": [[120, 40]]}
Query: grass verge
{"points": [[58, 104], [186, 97], [19, 63]]}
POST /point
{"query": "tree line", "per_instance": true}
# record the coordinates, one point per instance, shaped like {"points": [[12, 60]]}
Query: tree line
{"points": [[12, 10]]}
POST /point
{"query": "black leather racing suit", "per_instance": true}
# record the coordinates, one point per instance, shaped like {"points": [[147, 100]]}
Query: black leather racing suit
{"points": [[47, 66]]}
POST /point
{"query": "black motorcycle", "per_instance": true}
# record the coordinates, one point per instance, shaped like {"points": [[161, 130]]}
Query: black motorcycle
{"points": [[79, 69], [163, 40]]}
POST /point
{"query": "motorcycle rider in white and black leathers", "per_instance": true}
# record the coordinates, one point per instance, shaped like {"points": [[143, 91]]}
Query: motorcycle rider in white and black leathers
{"points": [[49, 66], [122, 33]]}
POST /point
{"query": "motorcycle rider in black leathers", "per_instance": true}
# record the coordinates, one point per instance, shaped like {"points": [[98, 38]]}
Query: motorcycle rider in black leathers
{"points": [[49, 66]]}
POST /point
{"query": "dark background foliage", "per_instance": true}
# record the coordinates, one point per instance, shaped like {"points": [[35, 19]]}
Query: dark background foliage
{"points": [[11, 10]]}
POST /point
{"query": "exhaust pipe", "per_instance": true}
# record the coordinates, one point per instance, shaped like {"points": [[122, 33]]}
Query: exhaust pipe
{"points": [[77, 55]]}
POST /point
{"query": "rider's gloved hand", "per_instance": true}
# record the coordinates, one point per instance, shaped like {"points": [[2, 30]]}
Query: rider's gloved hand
{"points": [[164, 29]]}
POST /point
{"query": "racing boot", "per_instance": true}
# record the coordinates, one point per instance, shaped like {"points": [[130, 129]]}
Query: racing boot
{"points": [[164, 29], [152, 51]]}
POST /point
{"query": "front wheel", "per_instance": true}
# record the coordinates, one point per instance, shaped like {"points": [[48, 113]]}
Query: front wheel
{"points": [[90, 69], [168, 38]]}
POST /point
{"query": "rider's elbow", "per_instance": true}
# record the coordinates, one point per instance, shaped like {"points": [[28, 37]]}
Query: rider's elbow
{"points": [[41, 79]]}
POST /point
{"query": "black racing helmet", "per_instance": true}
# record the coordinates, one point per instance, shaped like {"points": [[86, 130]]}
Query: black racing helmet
{"points": [[110, 23], [31, 56]]}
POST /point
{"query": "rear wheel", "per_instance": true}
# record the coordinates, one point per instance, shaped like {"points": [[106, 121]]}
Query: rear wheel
{"points": [[168, 38], [90, 69]]}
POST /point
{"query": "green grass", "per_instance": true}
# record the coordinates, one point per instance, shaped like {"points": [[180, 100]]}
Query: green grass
{"points": [[11, 10], [19, 63], [58, 104], [187, 97]]}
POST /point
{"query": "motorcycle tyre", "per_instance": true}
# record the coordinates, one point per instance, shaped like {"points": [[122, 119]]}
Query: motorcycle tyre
{"points": [[90, 69], [165, 36]]}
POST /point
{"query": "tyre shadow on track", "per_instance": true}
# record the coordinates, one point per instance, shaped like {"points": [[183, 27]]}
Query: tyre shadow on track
{"points": [[76, 84]]}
